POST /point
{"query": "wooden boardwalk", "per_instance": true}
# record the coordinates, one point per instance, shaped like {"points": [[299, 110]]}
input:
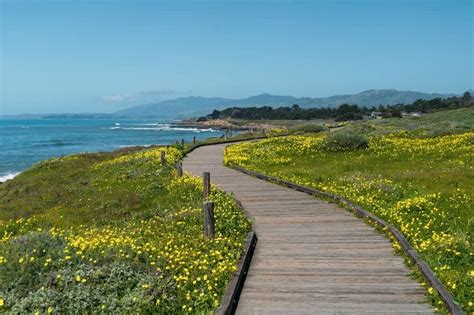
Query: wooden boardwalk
{"points": [[311, 256]]}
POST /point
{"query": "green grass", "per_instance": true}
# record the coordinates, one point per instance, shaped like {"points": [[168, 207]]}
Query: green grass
{"points": [[438, 123], [421, 183], [114, 233], [279, 122], [429, 125]]}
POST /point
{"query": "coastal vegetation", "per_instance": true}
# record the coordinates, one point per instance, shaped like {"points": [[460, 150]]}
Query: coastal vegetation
{"points": [[415, 173], [120, 232], [344, 112], [115, 232]]}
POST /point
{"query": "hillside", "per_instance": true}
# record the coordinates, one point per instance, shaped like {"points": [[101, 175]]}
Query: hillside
{"points": [[197, 106], [343, 112], [114, 233]]}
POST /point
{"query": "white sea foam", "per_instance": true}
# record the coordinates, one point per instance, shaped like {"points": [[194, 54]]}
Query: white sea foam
{"points": [[151, 124], [162, 127], [5, 177], [134, 145]]}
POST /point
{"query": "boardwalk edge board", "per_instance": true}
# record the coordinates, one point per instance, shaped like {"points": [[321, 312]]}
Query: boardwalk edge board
{"points": [[230, 299], [425, 270]]}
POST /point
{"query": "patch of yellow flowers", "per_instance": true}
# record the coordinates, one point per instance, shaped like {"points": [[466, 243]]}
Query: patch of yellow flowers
{"points": [[172, 154]]}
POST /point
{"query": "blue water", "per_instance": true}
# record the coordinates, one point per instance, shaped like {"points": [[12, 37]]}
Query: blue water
{"points": [[24, 142]]}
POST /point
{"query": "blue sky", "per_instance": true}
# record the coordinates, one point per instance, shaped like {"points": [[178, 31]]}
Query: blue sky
{"points": [[101, 56]]}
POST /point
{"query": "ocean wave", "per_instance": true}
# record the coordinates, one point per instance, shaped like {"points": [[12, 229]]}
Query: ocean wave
{"points": [[150, 124], [7, 176], [162, 127], [134, 145], [192, 129]]}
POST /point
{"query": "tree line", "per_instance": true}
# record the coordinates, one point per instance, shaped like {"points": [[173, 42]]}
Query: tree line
{"points": [[343, 112]]}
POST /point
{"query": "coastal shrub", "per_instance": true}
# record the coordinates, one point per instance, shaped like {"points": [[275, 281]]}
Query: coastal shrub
{"points": [[308, 128], [341, 141], [360, 128], [446, 129]]}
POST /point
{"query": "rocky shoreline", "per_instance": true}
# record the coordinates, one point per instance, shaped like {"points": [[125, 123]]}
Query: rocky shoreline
{"points": [[224, 124]]}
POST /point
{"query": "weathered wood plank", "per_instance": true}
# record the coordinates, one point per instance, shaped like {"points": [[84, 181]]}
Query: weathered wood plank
{"points": [[321, 307]]}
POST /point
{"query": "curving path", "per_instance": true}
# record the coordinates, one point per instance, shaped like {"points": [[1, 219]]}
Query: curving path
{"points": [[311, 256]]}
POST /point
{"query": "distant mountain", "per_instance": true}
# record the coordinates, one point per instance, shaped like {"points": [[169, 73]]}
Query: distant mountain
{"points": [[193, 106], [60, 116], [23, 116], [77, 116], [267, 99], [184, 107], [373, 98]]}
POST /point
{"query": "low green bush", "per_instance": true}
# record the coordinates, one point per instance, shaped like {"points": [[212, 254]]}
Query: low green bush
{"points": [[308, 128], [446, 129], [345, 142]]}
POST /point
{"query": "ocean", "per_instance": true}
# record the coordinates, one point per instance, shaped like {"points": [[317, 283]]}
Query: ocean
{"points": [[26, 141]]}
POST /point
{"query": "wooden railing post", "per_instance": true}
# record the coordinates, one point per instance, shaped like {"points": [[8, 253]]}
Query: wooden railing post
{"points": [[206, 177], [209, 227], [179, 168], [163, 157]]}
